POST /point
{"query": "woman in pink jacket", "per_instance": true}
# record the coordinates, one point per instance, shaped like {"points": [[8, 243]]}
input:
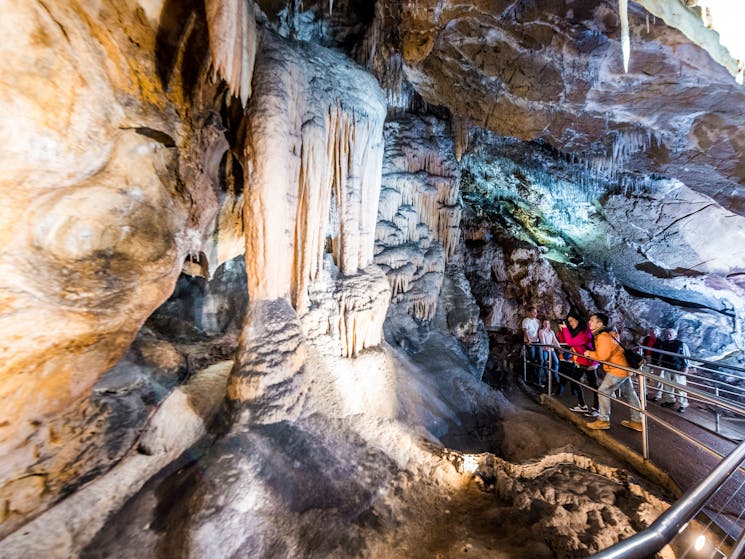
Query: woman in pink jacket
{"points": [[577, 335]]}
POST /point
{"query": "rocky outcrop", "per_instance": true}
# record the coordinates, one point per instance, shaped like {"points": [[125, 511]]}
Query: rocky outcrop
{"points": [[94, 218], [572, 239]]}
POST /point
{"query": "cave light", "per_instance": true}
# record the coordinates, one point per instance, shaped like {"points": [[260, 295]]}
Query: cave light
{"points": [[470, 463], [700, 542]]}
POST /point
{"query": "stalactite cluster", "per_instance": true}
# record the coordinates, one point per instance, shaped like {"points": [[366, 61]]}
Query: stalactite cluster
{"points": [[319, 172], [419, 213], [233, 43]]}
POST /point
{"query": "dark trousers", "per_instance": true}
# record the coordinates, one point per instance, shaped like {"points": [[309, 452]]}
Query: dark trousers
{"points": [[591, 376], [575, 373]]}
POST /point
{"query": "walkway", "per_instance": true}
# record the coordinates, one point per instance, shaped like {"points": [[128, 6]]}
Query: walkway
{"points": [[684, 462]]}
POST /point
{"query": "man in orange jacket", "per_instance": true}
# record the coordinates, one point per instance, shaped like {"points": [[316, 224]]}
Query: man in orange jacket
{"points": [[607, 348]]}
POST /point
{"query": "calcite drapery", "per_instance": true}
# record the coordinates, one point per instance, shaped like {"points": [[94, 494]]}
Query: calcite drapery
{"points": [[313, 155], [233, 42]]}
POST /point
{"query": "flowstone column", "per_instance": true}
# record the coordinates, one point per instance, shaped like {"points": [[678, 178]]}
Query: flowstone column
{"points": [[313, 156]]}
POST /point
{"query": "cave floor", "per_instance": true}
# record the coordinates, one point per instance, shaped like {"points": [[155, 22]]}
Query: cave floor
{"points": [[685, 463]]}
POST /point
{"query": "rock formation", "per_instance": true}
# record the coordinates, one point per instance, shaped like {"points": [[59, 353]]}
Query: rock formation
{"points": [[330, 199]]}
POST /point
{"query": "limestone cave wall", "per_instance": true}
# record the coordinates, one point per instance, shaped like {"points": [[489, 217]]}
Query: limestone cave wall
{"points": [[283, 193]]}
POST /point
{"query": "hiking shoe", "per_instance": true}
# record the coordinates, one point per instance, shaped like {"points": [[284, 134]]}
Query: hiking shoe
{"points": [[635, 425], [667, 404], [653, 399], [592, 413], [579, 409], [681, 409], [599, 424]]}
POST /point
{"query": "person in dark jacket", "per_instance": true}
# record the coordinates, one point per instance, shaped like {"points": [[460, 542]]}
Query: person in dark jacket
{"points": [[650, 343], [674, 368]]}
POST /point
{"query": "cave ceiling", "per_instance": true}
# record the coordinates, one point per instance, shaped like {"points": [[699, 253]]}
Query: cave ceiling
{"points": [[639, 171], [553, 71]]}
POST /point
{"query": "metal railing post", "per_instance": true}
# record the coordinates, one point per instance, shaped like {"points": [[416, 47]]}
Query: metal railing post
{"points": [[549, 372], [525, 364], [739, 550], [645, 423], [717, 415]]}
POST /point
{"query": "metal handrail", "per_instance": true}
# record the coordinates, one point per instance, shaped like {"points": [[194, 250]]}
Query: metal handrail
{"points": [[694, 358], [703, 396], [717, 384], [669, 524]]}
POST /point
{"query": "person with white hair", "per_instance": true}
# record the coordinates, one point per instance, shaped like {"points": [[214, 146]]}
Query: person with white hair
{"points": [[673, 361]]}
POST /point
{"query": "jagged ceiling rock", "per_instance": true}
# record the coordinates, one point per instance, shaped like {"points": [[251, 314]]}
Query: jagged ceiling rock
{"points": [[553, 71], [654, 238]]}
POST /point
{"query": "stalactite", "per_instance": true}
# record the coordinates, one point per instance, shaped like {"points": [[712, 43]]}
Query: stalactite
{"points": [[314, 195], [460, 136], [354, 148], [397, 256], [623, 11], [449, 229], [233, 41], [361, 306], [390, 201], [422, 299]]}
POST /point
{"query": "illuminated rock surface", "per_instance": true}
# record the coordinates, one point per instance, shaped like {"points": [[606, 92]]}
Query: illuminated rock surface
{"points": [[251, 252]]}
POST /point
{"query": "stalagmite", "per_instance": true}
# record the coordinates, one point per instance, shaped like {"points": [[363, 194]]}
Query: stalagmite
{"points": [[233, 42], [623, 11], [271, 355]]}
